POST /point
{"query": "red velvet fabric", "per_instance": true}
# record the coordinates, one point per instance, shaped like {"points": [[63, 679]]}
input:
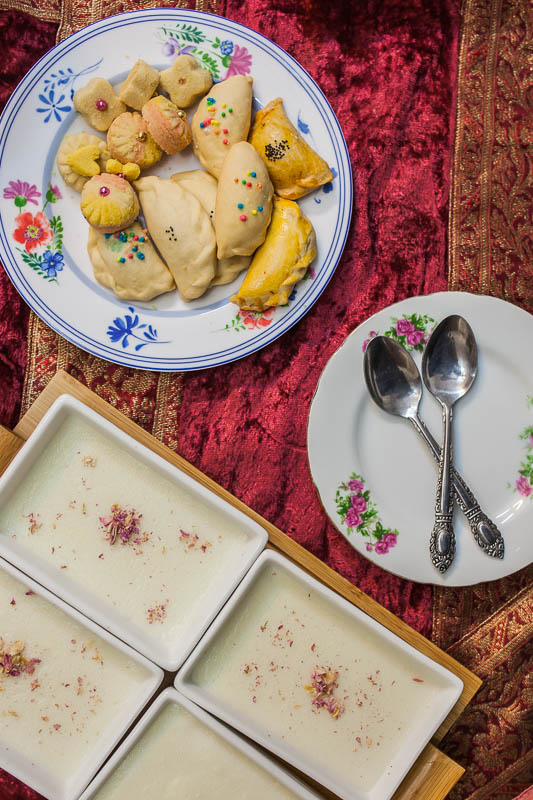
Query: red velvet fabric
{"points": [[388, 69]]}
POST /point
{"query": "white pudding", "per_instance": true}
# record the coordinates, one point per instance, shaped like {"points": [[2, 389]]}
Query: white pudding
{"points": [[66, 694], [179, 756]]}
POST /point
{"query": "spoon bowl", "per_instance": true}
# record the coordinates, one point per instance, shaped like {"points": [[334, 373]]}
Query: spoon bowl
{"points": [[449, 364], [392, 377]]}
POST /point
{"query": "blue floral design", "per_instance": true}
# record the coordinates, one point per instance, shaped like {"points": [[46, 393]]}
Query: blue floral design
{"points": [[54, 99], [303, 127], [329, 186], [226, 48], [122, 328], [52, 263]]}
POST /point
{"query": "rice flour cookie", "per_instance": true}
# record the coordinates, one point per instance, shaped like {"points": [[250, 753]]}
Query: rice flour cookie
{"points": [[128, 264], [98, 104], [167, 124], [140, 85], [185, 81], [128, 139], [109, 203], [244, 202], [221, 120], [71, 144]]}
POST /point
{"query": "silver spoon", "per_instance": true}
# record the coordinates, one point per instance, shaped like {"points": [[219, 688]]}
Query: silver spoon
{"points": [[449, 368], [394, 383]]}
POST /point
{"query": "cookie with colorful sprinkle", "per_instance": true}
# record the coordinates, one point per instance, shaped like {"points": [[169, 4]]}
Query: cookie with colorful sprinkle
{"points": [[128, 263], [221, 120], [244, 202]]}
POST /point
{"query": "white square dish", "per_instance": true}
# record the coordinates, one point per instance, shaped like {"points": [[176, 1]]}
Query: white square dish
{"points": [[304, 673], [178, 750], [120, 534], [69, 690]]}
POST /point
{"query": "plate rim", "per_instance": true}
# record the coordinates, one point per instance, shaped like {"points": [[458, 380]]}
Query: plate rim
{"points": [[251, 344], [367, 321]]}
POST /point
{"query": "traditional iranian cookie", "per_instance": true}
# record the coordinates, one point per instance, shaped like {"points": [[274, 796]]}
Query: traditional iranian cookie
{"points": [[140, 85], [98, 104], [204, 187], [222, 119], [181, 231], [167, 124], [70, 145], [128, 263], [294, 167], [185, 81], [128, 139], [130, 171], [281, 261], [109, 203], [244, 202]]}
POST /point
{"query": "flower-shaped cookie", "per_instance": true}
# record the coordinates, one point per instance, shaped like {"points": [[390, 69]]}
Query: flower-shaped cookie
{"points": [[185, 81], [98, 104], [128, 139], [130, 171], [167, 124], [72, 144], [109, 203], [140, 85]]}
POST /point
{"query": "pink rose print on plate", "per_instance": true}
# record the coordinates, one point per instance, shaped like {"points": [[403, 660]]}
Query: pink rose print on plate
{"points": [[523, 486], [358, 513], [241, 62], [403, 327], [524, 481], [414, 337]]}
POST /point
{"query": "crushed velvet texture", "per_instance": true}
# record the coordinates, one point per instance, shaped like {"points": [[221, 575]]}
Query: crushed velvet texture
{"points": [[388, 69]]}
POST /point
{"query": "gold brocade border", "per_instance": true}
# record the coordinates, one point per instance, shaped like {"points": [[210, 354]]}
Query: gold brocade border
{"points": [[493, 739], [151, 399], [490, 223]]}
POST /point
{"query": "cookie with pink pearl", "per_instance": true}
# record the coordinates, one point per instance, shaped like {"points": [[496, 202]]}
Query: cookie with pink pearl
{"points": [[109, 203], [128, 140], [98, 104], [244, 202], [167, 124], [221, 120]]}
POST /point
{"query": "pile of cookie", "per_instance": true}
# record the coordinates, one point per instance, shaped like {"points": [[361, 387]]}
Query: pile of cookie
{"points": [[204, 226]]}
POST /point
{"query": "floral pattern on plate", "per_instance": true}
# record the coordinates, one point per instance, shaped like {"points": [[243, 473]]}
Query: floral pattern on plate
{"points": [[524, 482], [412, 331], [357, 512], [122, 328], [35, 231], [56, 96], [222, 58]]}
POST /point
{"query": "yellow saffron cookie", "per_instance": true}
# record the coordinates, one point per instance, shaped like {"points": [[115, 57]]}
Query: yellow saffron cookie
{"points": [[140, 85], [98, 104], [185, 81], [109, 203], [281, 261], [71, 144], [130, 171], [128, 139], [294, 167]]}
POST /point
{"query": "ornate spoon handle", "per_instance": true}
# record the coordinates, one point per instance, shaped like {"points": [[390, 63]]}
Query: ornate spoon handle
{"points": [[484, 531], [442, 542]]}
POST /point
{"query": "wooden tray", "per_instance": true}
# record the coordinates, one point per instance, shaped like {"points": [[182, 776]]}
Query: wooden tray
{"points": [[434, 774]]}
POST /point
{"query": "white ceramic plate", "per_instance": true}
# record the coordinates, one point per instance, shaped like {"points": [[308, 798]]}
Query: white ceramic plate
{"points": [[392, 472], [67, 577], [252, 667], [247, 749], [58, 283], [20, 762]]}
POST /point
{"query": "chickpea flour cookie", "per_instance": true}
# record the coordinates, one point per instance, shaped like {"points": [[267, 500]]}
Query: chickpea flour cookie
{"points": [[222, 119], [244, 202], [282, 260], [185, 81], [69, 159], [128, 140], [98, 104], [294, 167], [109, 203], [204, 187], [167, 124], [181, 231], [139, 86], [128, 264]]}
